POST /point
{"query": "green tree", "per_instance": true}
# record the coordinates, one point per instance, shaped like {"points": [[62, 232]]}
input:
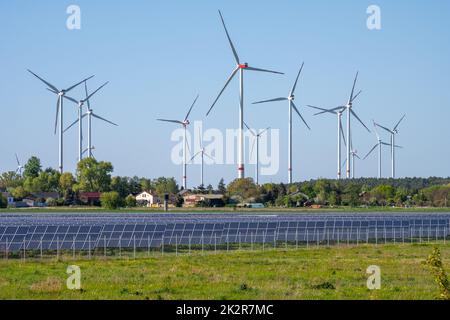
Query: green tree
{"points": [[110, 200], [32, 168], [93, 176], [165, 185], [66, 184], [130, 201], [221, 187], [10, 179], [18, 193], [121, 186], [243, 188], [3, 202]]}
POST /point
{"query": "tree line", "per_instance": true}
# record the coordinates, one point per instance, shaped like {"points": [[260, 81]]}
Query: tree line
{"points": [[96, 176]]}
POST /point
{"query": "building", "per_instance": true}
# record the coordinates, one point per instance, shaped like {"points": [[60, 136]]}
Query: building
{"points": [[9, 198], [92, 198], [148, 198], [211, 200]]}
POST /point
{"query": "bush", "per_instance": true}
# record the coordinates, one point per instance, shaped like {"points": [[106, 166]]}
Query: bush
{"points": [[434, 262], [130, 201], [110, 200], [3, 202], [51, 202]]}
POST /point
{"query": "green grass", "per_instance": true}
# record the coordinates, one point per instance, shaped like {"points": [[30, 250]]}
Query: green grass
{"points": [[305, 273]]}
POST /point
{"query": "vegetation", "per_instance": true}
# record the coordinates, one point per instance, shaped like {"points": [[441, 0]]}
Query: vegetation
{"points": [[96, 176], [440, 276], [110, 200], [314, 273]]}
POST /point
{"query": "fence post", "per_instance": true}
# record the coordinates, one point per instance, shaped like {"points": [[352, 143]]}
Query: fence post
{"points": [[176, 245], [307, 239], [376, 235], [296, 239], [162, 245], [73, 248], [228, 243], [328, 237], [41, 247], [190, 240], [203, 242], [7, 249], [24, 250], [148, 245], [134, 247], [104, 246], [264, 240], [120, 246]]}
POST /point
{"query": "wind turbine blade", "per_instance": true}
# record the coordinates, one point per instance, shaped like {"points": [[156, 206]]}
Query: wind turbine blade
{"points": [[296, 80], [17, 159], [298, 112], [71, 125], [172, 121], [189, 112], [395, 128], [223, 89], [90, 96], [264, 131], [271, 100], [353, 89], [57, 113], [342, 133], [343, 164], [251, 131], [356, 96], [236, 57], [357, 156], [86, 90], [103, 119], [208, 156], [380, 126], [262, 70], [70, 99], [323, 110], [354, 114], [76, 85], [188, 147], [53, 91], [370, 152], [253, 146], [195, 156], [376, 131], [200, 139], [47, 83]]}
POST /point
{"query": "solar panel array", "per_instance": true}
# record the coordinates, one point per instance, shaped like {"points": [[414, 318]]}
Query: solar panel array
{"points": [[90, 231]]}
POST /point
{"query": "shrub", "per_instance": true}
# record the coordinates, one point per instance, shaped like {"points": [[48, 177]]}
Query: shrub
{"points": [[130, 201], [434, 261], [51, 202], [3, 202], [110, 200]]}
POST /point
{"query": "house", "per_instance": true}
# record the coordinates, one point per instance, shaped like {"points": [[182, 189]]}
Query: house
{"points": [[148, 198], [43, 196], [212, 200], [91, 198]]}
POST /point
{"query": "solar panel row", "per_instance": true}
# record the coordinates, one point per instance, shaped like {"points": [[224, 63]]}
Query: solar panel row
{"points": [[87, 232]]}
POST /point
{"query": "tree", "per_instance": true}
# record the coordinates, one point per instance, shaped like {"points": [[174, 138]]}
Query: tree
{"points": [[130, 201], [66, 183], [93, 176], [110, 200], [165, 185], [3, 202], [221, 187], [32, 168], [243, 188], [10, 179], [121, 186], [18, 193]]}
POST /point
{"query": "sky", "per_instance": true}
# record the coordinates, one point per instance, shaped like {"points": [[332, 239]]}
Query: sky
{"points": [[158, 55]]}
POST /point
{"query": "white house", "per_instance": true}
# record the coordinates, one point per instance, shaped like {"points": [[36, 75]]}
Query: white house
{"points": [[148, 198]]}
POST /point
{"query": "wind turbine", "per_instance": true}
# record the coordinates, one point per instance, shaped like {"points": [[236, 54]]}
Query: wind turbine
{"points": [[379, 145], [203, 153], [239, 67], [89, 113], [59, 111], [80, 120], [256, 141], [350, 112], [19, 166], [184, 123], [341, 136], [290, 98], [393, 133]]}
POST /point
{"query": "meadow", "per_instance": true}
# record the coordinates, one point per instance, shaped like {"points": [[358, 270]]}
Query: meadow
{"points": [[337, 272]]}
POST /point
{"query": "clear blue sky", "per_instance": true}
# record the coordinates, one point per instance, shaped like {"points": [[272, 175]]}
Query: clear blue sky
{"points": [[158, 55]]}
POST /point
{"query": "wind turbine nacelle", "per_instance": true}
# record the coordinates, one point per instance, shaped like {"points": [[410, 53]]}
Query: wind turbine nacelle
{"points": [[292, 97], [187, 122], [243, 66]]}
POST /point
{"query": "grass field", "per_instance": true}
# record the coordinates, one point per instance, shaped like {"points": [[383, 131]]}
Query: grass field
{"points": [[305, 273]]}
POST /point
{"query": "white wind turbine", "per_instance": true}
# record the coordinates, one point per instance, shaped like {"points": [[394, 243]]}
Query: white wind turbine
{"points": [[19, 166], [393, 133], [184, 123], [351, 113], [379, 145], [202, 153], [80, 121], [290, 98], [239, 67], [256, 136], [341, 136], [59, 111], [89, 113]]}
